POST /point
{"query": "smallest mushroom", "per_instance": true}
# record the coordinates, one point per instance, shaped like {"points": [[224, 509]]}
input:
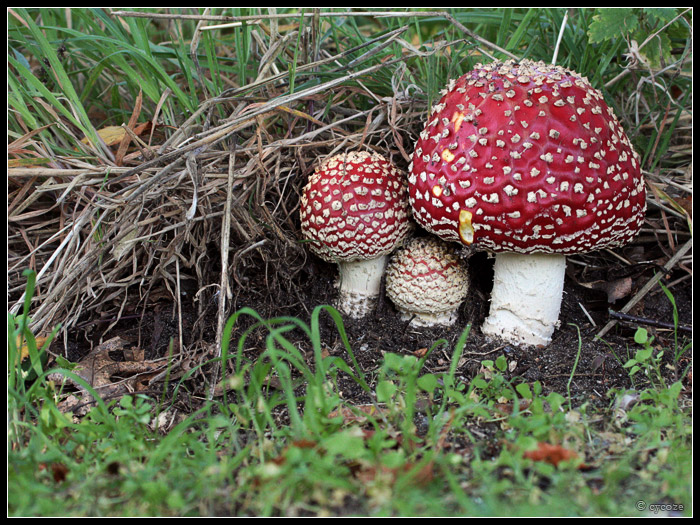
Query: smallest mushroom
{"points": [[427, 282]]}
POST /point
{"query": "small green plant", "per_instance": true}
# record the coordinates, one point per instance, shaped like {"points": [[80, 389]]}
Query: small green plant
{"points": [[647, 360], [26, 354], [678, 348], [654, 29], [491, 386]]}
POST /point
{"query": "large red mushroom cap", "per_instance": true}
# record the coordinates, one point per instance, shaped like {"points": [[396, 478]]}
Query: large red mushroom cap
{"points": [[355, 208], [526, 157]]}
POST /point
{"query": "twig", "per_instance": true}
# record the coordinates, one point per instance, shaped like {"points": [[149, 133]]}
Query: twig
{"points": [[228, 25], [224, 291], [68, 172], [648, 286], [561, 35], [273, 16], [650, 322], [587, 314], [179, 302]]}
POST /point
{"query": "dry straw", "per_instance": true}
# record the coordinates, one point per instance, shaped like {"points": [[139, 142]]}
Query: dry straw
{"points": [[206, 205]]}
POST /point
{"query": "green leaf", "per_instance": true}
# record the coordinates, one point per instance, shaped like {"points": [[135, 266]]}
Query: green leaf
{"points": [[641, 336], [660, 15], [501, 363], [657, 49], [427, 382], [347, 444], [609, 24], [629, 363], [385, 391], [555, 401], [479, 382], [524, 390], [675, 389], [643, 355], [537, 388]]}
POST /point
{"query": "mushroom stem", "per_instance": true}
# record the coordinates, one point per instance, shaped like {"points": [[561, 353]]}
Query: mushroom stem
{"points": [[360, 283], [419, 319], [526, 297]]}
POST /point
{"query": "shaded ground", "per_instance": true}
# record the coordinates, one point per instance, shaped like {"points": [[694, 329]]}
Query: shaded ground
{"points": [[153, 327]]}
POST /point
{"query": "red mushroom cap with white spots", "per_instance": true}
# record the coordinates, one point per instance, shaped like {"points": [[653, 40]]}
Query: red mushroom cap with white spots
{"points": [[355, 211], [526, 157], [354, 207]]}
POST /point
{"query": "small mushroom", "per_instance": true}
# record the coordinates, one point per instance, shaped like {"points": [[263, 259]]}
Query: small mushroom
{"points": [[354, 210], [526, 160], [427, 282]]}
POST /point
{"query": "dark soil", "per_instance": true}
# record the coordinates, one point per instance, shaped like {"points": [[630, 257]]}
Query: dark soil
{"points": [[153, 326]]}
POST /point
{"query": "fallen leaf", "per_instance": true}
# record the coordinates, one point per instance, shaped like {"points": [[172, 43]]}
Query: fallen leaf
{"points": [[111, 135], [421, 352], [552, 454], [687, 204], [98, 369], [126, 139], [281, 459], [419, 477], [304, 443], [615, 290], [356, 414], [59, 472], [24, 349]]}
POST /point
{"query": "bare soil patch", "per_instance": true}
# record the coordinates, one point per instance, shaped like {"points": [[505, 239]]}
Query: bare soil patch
{"points": [[154, 327]]}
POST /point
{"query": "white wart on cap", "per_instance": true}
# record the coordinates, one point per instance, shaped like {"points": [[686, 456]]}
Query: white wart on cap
{"points": [[526, 159], [355, 211], [427, 282]]}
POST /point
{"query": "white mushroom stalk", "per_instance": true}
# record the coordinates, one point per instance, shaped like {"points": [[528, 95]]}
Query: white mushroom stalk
{"points": [[360, 284], [526, 297]]}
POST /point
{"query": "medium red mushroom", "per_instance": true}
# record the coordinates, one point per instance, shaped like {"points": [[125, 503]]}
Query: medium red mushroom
{"points": [[427, 282], [526, 160], [355, 211]]}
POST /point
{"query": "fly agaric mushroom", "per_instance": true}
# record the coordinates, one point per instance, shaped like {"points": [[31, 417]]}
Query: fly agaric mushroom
{"points": [[526, 160], [427, 282], [355, 211]]}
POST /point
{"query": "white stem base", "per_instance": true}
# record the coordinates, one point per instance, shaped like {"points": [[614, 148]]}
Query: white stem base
{"points": [[526, 298], [427, 319], [360, 283]]}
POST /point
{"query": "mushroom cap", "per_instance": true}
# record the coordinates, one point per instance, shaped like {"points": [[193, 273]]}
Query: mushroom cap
{"points": [[526, 157], [354, 207], [426, 276]]}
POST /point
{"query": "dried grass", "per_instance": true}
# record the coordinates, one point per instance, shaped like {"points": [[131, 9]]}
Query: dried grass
{"points": [[107, 238]]}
